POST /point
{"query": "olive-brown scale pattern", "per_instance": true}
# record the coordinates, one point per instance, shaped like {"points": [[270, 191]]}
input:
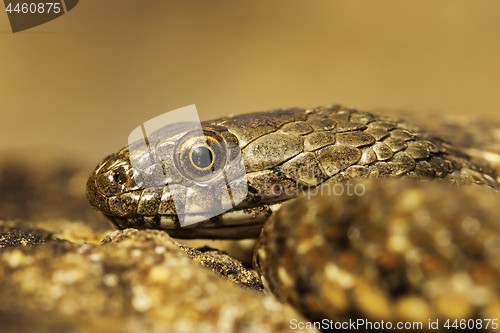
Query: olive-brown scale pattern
{"points": [[284, 152], [404, 250]]}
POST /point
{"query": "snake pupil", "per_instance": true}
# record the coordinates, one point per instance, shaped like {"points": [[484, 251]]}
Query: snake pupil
{"points": [[202, 157]]}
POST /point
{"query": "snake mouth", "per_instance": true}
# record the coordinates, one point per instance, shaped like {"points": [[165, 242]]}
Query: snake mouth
{"points": [[234, 224]]}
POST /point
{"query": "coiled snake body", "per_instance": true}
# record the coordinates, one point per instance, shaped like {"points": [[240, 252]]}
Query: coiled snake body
{"points": [[403, 250]]}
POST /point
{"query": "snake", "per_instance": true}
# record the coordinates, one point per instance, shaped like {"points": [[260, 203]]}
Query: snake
{"points": [[412, 246]]}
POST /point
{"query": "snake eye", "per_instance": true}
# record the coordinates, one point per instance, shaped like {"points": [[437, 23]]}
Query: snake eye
{"points": [[201, 156]]}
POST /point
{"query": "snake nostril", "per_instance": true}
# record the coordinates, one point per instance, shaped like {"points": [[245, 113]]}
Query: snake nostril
{"points": [[120, 178]]}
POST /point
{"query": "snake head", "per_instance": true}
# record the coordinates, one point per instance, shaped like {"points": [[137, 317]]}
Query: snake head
{"points": [[177, 176]]}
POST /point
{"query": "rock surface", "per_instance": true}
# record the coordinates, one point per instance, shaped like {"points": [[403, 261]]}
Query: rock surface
{"points": [[135, 281], [57, 276]]}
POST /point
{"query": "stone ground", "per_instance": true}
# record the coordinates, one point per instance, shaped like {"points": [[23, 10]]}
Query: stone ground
{"points": [[62, 269]]}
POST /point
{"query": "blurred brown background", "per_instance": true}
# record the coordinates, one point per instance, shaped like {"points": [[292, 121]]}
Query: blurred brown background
{"points": [[82, 82]]}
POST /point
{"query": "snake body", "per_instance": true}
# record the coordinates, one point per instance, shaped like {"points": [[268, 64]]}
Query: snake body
{"points": [[306, 253]]}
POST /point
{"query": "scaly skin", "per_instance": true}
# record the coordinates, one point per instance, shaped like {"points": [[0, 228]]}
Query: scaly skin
{"points": [[307, 254], [285, 152], [405, 250]]}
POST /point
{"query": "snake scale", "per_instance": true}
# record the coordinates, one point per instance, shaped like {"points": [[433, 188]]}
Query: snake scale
{"points": [[403, 249]]}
